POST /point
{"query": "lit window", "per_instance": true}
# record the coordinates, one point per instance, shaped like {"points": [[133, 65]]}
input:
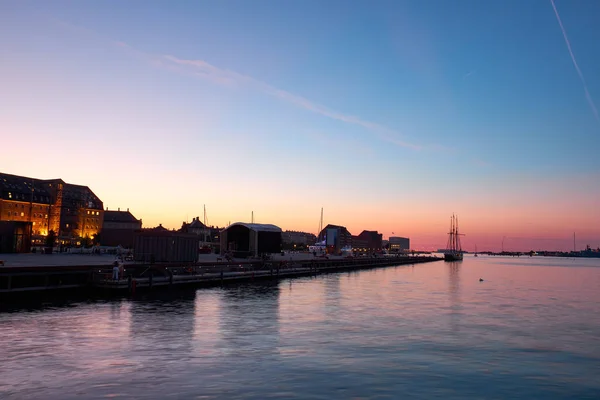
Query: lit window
{"points": [[67, 225], [22, 214], [9, 195], [33, 223], [45, 215]]}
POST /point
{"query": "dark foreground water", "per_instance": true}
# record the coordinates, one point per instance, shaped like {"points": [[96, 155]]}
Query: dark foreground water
{"points": [[530, 330]]}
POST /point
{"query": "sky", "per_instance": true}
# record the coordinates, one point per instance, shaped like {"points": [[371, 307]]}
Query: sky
{"points": [[389, 115]]}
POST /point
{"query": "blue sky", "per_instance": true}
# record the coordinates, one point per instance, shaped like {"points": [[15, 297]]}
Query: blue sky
{"points": [[308, 103]]}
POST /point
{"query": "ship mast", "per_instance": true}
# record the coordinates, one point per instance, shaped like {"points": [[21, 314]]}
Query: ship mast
{"points": [[320, 223]]}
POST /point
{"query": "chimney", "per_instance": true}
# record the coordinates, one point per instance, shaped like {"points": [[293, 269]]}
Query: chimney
{"points": [[119, 209], [127, 209]]}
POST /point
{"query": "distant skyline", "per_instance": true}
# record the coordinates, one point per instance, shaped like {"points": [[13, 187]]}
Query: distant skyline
{"points": [[390, 115]]}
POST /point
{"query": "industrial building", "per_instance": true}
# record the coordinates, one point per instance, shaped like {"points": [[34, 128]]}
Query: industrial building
{"points": [[73, 212], [250, 240]]}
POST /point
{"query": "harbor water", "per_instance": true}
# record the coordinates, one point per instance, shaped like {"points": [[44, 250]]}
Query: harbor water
{"points": [[530, 329]]}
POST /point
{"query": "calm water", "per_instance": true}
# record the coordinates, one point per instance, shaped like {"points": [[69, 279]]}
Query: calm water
{"points": [[530, 330]]}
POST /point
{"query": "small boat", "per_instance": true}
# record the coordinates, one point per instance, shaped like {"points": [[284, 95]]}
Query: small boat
{"points": [[475, 252], [453, 249]]}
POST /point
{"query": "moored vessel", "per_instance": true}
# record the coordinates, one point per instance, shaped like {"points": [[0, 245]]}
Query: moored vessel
{"points": [[453, 248]]}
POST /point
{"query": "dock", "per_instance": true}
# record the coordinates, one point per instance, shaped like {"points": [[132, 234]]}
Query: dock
{"points": [[28, 280]]}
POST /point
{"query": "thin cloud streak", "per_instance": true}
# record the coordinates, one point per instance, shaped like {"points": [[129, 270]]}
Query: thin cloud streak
{"points": [[585, 88], [208, 71], [205, 70]]}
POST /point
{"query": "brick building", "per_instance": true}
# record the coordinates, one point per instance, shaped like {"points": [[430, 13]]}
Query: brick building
{"points": [[73, 212], [367, 241]]}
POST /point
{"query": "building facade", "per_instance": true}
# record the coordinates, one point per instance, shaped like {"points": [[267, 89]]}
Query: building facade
{"points": [[73, 212], [399, 244], [367, 242], [299, 238], [335, 238], [118, 228], [162, 245]]}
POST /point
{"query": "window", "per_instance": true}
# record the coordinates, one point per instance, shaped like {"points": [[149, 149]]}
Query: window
{"points": [[22, 214], [33, 223], [45, 215], [67, 225]]}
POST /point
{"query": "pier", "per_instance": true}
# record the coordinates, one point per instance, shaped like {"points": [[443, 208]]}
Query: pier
{"points": [[28, 280]]}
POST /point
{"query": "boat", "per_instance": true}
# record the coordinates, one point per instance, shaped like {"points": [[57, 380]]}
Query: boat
{"points": [[453, 248], [475, 252]]}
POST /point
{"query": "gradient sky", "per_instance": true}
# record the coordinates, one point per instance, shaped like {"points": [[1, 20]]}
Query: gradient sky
{"points": [[392, 115]]}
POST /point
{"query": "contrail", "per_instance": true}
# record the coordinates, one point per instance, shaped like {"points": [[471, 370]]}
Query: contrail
{"points": [[587, 93]]}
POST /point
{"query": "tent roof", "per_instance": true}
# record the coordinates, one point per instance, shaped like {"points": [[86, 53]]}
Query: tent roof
{"points": [[257, 227]]}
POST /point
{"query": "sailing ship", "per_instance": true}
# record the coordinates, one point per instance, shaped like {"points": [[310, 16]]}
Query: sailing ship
{"points": [[453, 248]]}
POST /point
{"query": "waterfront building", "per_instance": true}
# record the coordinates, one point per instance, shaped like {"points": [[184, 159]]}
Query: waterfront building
{"points": [[250, 240], [399, 244], [298, 238], [118, 228], [162, 245], [335, 238], [209, 235], [73, 212], [367, 241]]}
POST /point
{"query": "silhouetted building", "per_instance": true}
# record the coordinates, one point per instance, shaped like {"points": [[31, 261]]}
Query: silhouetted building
{"points": [[209, 235], [73, 212], [335, 237], [399, 244], [250, 240], [294, 237], [197, 228], [118, 228], [367, 241], [162, 245]]}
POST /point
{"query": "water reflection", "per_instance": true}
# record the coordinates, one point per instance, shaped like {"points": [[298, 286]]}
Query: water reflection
{"points": [[164, 323], [249, 319], [530, 330], [454, 295]]}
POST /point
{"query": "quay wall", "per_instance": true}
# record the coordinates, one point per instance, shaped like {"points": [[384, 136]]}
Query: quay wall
{"points": [[34, 281]]}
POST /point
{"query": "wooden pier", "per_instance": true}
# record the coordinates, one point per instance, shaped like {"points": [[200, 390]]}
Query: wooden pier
{"points": [[136, 277]]}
